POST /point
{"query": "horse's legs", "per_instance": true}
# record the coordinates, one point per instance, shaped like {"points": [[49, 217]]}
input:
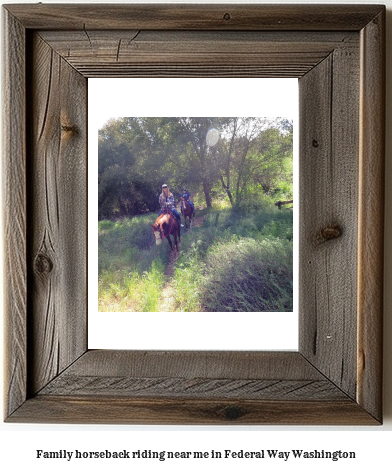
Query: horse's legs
{"points": [[175, 237], [168, 238]]}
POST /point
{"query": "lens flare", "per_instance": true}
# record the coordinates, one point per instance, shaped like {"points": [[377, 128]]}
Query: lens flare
{"points": [[212, 137]]}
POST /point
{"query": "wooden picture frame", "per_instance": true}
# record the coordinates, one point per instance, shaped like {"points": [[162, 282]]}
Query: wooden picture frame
{"points": [[338, 54]]}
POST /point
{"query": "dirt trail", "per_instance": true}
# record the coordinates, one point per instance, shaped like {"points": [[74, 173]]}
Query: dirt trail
{"points": [[198, 221], [167, 297]]}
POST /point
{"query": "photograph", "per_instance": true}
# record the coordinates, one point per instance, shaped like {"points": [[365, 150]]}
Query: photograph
{"points": [[195, 214]]}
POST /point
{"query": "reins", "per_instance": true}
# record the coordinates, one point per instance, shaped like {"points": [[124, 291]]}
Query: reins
{"points": [[161, 230], [172, 221], [185, 205]]}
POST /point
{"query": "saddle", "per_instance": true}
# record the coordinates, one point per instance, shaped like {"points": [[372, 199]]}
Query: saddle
{"points": [[169, 211]]}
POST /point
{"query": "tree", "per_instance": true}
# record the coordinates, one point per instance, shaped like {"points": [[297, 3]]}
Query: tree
{"points": [[275, 145], [194, 130], [252, 150], [137, 154], [124, 186]]}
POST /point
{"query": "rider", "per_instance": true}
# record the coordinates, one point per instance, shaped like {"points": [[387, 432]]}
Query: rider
{"points": [[187, 195], [166, 201]]}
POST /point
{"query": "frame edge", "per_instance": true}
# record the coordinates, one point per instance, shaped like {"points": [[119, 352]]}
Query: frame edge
{"points": [[370, 302], [14, 199], [371, 216]]}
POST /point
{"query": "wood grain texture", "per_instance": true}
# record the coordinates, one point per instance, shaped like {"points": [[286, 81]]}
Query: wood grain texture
{"points": [[194, 17], [371, 216], [336, 376], [201, 387], [329, 98], [205, 374], [207, 364], [57, 214], [14, 211], [122, 410], [164, 53]]}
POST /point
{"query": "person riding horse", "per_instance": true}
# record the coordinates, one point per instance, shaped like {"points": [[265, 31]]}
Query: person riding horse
{"points": [[166, 201], [186, 196]]}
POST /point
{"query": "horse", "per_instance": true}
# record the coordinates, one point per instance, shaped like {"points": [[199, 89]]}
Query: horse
{"points": [[186, 211], [165, 225]]}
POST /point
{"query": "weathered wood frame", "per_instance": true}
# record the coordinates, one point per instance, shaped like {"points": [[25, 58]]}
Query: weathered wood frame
{"points": [[337, 52]]}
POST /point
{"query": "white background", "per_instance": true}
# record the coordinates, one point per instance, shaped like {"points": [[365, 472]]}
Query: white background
{"points": [[239, 97], [372, 444]]}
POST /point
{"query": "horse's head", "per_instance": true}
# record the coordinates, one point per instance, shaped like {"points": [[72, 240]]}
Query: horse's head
{"points": [[157, 231], [158, 227]]}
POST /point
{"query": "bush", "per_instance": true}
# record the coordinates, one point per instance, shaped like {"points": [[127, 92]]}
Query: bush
{"points": [[121, 291], [237, 261], [248, 275]]}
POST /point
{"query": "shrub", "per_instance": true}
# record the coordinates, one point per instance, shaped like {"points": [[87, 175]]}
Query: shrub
{"points": [[237, 261], [248, 275]]}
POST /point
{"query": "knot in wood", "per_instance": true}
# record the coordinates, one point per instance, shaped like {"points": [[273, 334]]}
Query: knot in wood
{"points": [[69, 129], [328, 233], [232, 413], [43, 264], [227, 16], [315, 143]]}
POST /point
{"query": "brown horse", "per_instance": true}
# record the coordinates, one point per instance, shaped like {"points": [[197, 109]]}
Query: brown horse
{"points": [[186, 211], [164, 226]]}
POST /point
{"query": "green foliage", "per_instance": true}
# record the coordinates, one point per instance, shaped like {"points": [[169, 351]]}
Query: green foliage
{"points": [[129, 166], [240, 259], [253, 158], [128, 244], [248, 275], [130, 265], [121, 291]]}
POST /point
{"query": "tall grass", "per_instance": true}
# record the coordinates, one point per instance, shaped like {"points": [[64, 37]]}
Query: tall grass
{"points": [[128, 243], [131, 266], [245, 274], [238, 260], [120, 291]]}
